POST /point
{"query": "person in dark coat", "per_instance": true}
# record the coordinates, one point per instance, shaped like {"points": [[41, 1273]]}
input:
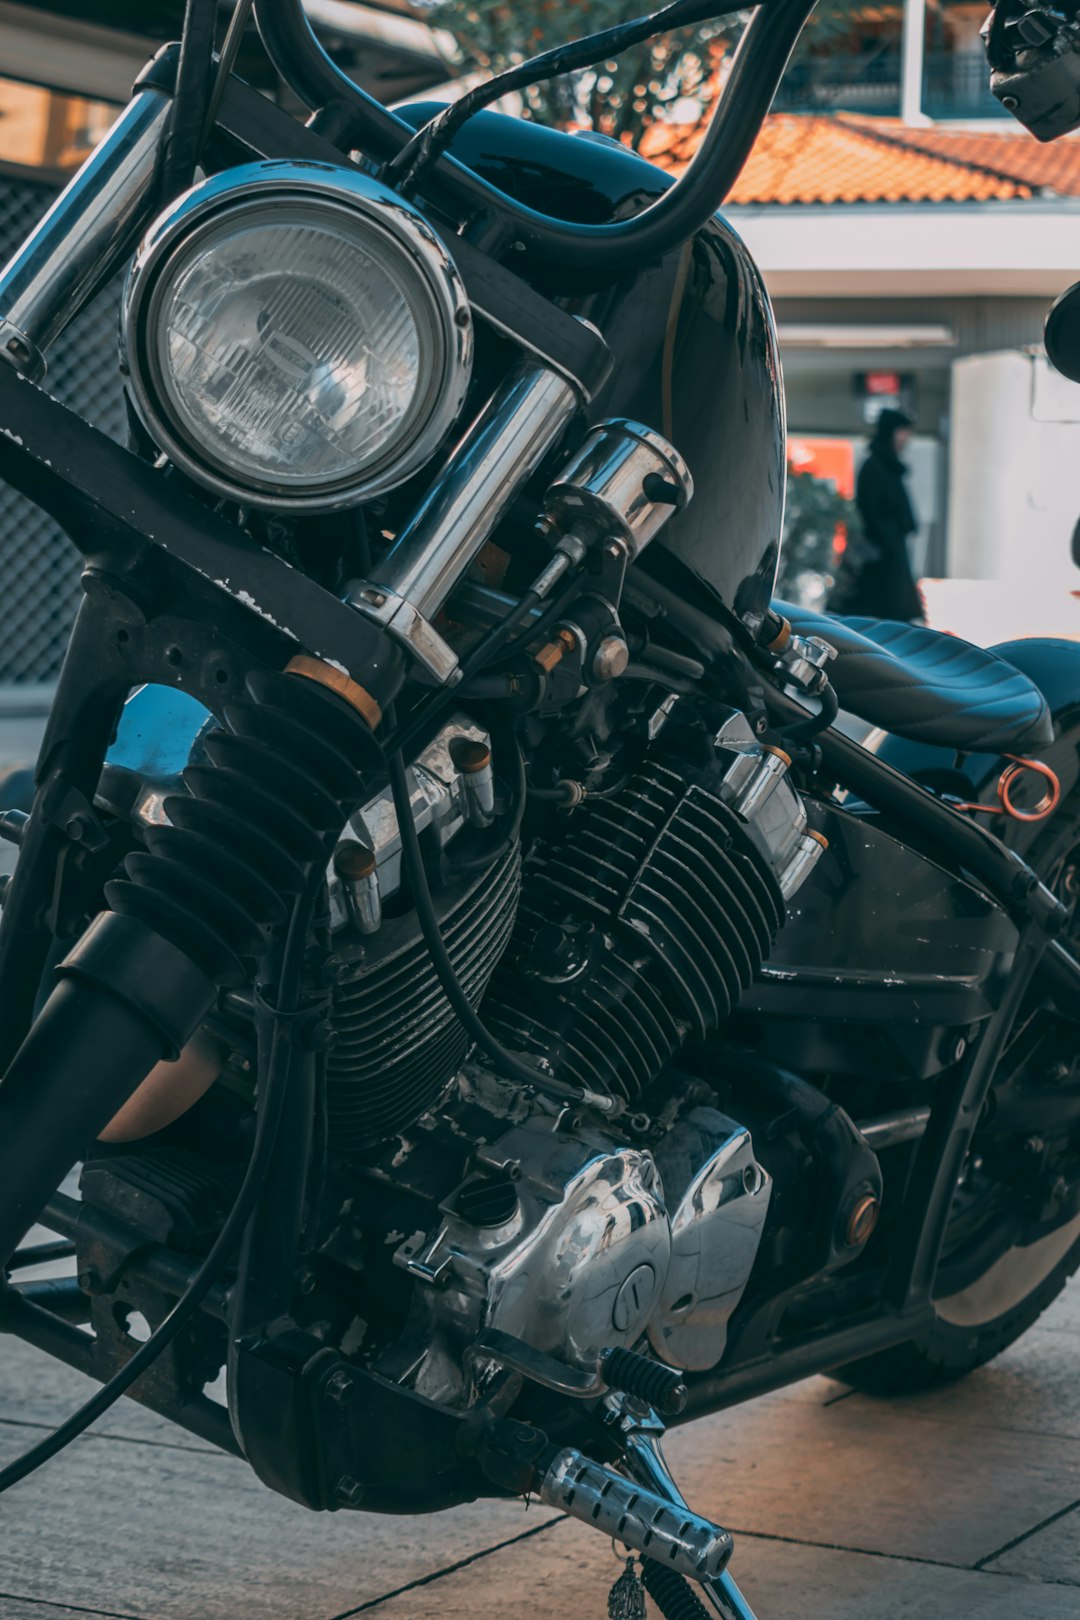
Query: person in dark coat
{"points": [[881, 584]]}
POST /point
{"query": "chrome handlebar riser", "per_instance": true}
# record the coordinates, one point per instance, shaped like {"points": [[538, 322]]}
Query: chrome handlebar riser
{"points": [[84, 238]]}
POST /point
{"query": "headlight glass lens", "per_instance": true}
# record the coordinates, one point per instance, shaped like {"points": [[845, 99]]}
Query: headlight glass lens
{"points": [[295, 346]]}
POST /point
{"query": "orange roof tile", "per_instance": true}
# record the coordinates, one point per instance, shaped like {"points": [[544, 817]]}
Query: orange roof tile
{"points": [[812, 158]]}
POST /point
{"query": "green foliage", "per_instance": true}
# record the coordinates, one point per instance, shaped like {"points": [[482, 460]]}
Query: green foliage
{"points": [[815, 509], [621, 98], [626, 95]]}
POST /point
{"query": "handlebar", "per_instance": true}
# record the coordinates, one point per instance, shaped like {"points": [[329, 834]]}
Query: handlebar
{"points": [[611, 249]]}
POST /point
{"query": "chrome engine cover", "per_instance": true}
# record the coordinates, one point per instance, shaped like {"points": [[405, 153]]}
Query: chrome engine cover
{"points": [[593, 1253], [576, 1267], [718, 1199]]}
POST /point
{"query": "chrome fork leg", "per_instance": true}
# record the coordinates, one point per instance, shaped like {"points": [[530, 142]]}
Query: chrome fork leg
{"points": [[640, 1439]]}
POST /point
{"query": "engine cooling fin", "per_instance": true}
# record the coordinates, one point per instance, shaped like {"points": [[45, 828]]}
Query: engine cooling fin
{"points": [[397, 1040], [640, 932]]}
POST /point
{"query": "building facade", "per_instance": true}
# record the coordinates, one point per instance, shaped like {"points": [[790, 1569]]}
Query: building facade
{"points": [[911, 237]]}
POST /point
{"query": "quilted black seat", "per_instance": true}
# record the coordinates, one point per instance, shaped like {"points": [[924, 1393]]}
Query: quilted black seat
{"points": [[931, 688]]}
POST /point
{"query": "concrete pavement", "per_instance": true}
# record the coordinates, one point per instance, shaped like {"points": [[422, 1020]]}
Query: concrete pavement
{"points": [[963, 1503]]}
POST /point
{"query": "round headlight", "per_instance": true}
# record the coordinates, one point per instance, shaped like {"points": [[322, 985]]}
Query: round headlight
{"points": [[296, 336]]}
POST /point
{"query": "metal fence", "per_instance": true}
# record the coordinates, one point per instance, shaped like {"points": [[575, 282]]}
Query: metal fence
{"points": [[956, 84], [39, 568]]}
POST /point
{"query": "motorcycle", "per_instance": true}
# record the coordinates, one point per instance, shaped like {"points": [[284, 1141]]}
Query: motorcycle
{"points": [[496, 1009]]}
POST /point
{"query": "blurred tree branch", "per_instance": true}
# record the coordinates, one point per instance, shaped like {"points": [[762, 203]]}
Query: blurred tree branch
{"points": [[676, 75]]}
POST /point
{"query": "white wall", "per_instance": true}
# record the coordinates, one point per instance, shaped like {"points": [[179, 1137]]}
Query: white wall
{"points": [[1014, 473]]}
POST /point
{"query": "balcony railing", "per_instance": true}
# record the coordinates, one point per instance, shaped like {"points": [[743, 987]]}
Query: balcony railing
{"points": [[955, 85]]}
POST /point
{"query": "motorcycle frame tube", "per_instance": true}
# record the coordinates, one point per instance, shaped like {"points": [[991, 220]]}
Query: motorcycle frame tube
{"points": [[596, 250], [943, 834]]}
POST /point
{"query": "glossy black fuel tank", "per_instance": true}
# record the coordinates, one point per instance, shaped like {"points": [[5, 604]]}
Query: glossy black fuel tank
{"points": [[695, 355]]}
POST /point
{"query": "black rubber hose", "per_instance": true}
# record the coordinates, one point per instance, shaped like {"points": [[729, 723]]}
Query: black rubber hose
{"points": [[191, 98], [601, 251], [814, 724], [578, 54], [510, 1066], [270, 1104]]}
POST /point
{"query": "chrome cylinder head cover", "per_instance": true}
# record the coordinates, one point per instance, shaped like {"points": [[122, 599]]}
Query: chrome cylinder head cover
{"points": [[717, 1198]]}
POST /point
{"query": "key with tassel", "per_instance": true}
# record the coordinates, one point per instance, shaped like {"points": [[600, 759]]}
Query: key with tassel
{"points": [[626, 1600]]}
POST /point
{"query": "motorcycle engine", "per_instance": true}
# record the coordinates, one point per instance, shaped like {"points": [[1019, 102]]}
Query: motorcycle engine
{"points": [[455, 1201], [643, 917]]}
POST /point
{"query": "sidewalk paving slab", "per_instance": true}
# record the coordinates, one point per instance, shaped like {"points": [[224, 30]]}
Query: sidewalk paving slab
{"points": [[565, 1574], [1051, 1554], [870, 1479], [18, 1609]]}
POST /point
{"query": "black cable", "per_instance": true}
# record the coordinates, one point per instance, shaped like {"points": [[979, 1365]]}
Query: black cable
{"points": [[431, 141], [554, 611], [635, 671], [269, 1113], [595, 250], [495, 642], [509, 1065], [814, 724], [191, 98]]}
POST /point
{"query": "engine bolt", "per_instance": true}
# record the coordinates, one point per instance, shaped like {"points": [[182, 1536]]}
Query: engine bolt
{"points": [[349, 1491], [339, 1386], [610, 658]]}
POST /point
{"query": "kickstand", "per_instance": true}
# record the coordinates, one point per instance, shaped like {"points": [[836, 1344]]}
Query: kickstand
{"points": [[640, 1432]]}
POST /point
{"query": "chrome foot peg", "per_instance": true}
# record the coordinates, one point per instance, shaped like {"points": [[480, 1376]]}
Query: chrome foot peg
{"points": [[639, 1433], [668, 1534]]}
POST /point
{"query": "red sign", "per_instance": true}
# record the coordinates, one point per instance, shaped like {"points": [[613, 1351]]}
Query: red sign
{"points": [[882, 382]]}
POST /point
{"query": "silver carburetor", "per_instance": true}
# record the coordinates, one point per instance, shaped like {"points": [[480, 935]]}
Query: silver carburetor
{"points": [[573, 1242]]}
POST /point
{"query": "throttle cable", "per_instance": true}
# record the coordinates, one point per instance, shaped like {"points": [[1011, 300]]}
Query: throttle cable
{"points": [[513, 1067]]}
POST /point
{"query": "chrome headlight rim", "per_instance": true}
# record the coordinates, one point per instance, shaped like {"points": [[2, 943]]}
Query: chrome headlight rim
{"points": [[313, 188]]}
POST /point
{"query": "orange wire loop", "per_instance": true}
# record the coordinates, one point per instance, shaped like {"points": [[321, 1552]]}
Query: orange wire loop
{"points": [[1007, 782]]}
